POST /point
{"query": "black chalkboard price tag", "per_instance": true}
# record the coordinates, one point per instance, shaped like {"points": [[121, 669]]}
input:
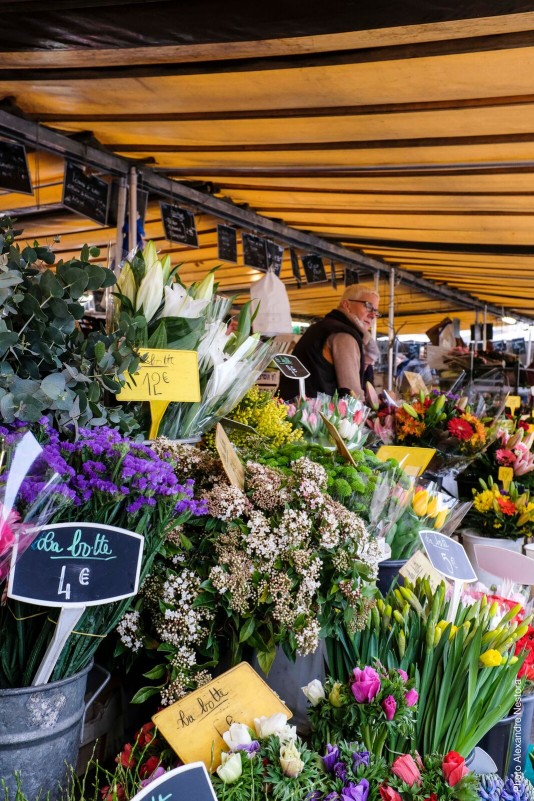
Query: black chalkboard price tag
{"points": [[314, 269], [73, 566], [186, 783], [179, 225], [351, 277], [449, 558], [254, 251], [290, 366], [227, 243], [84, 194], [14, 171], [275, 257]]}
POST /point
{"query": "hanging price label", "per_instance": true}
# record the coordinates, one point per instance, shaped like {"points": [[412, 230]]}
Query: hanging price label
{"points": [[163, 375]]}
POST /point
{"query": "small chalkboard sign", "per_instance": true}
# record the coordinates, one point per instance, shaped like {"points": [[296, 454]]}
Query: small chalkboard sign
{"points": [[77, 564], [227, 243], [179, 225], [14, 171], [290, 366], [85, 194], [314, 269], [519, 346], [351, 276], [295, 267], [186, 783], [275, 257], [447, 556], [254, 251]]}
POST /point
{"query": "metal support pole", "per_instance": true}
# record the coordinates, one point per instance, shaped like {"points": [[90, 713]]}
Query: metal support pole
{"points": [[377, 290], [121, 217], [484, 331], [529, 346], [391, 327], [132, 210]]}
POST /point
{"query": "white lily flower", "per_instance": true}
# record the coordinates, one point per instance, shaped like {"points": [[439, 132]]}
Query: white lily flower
{"points": [[179, 304], [150, 291], [314, 692], [237, 734], [231, 767]]}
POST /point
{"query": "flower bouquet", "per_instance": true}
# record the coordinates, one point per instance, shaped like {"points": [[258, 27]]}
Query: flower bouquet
{"points": [[169, 315], [347, 414], [465, 670], [280, 563], [430, 778], [508, 450], [505, 515], [374, 707], [108, 479], [440, 421]]}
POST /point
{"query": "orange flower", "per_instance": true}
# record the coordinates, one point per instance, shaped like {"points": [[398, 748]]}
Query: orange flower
{"points": [[507, 506]]}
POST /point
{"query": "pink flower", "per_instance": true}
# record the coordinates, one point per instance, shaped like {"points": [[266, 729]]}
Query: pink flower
{"points": [[358, 417], [505, 457], [342, 408], [454, 768], [406, 769], [411, 697], [365, 685], [402, 673], [7, 535], [389, 705]]}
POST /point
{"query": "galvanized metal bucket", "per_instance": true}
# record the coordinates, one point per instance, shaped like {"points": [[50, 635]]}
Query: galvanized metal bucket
{"points": [[40, 733]]}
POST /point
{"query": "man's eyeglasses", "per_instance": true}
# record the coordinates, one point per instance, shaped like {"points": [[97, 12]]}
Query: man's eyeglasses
{"points": [[369, 306]]}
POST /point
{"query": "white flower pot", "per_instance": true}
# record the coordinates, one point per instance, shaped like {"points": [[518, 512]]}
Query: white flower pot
{"points": [[471, 538]]}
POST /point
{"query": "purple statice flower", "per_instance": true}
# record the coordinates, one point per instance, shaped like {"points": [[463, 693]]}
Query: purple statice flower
{"points": [[355, 792], [138, 503], [360, 758], [330, 758], [340, 771], [333, 796], [196, 508]]}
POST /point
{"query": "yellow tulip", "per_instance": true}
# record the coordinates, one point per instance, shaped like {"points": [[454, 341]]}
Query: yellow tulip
{"points": [[440, 519], [420, 502], [491, 658], [433, 506]]}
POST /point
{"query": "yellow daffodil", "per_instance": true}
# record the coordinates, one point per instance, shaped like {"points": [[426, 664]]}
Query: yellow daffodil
{"points": [[491, 658]]}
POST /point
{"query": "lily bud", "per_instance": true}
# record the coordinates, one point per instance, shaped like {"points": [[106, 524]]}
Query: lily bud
{"points": [[166, 266], [204, 290], [150, 291], [126, 282], [150, 255]]}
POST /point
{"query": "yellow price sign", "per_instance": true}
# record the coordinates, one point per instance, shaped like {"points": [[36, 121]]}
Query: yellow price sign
{"points": [[194, 725], [506, 475], [513, 402], [413, 461], [163, 375]]}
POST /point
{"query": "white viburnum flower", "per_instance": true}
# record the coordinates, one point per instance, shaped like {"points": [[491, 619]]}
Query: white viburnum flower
{"points": [[314, 692]]}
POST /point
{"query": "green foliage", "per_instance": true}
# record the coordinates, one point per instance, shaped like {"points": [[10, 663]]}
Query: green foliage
{"points": [[48, 366]]}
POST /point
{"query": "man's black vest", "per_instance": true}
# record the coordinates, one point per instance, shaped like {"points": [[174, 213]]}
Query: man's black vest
{"points": [[309, 349]]}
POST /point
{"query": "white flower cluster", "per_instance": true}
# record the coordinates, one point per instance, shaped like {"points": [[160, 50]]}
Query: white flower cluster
{"points": [[128, 631]]}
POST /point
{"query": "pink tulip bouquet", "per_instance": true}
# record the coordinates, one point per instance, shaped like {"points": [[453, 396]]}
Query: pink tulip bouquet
{"points": [[374, 707], [347, 414]]}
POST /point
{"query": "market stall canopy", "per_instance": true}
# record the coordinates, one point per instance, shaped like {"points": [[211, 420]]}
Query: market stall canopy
{"points": [[403, 131]]}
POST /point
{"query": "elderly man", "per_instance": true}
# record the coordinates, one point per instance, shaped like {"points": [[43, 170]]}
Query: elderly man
{"points": [[333, 349]]}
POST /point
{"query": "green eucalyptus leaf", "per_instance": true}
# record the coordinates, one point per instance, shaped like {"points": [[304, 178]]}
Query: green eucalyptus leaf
{"points": [[53, 385], [50, 285]]}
